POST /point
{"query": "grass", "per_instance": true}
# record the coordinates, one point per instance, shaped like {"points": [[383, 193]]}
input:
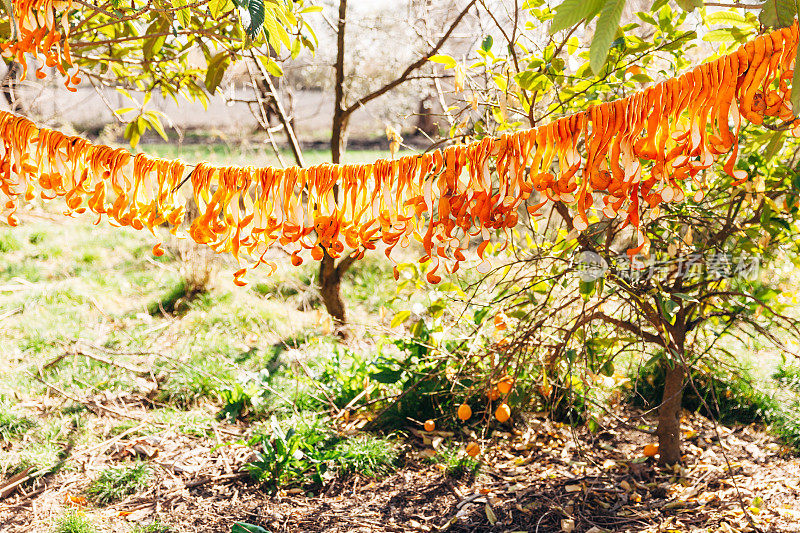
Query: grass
{"points": [[367, 455], [74, 522], [177, 299], [155, 527], [72, 281], [8, 242], [13, 426], [456, 463], [115, 483]]}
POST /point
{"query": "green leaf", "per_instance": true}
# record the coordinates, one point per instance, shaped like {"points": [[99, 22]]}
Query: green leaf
{"points": [[777, 13], [133, 133], [668, 308], [795, 98], [607, 25], [449, 286], [486, 45], [607, 369], [155, 122], [728, 17], [571, 12], [257, 14], [690, 5], [272, 67], [774, 146], [184, 15], [399, 318], [586, 289], [720, 36], [242, 527], [387, 376], [216, 70], [480, 314], [219, 7]]}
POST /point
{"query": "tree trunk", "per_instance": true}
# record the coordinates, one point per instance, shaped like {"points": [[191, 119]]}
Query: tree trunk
{"points": [[330, 274], [330, 280], [669, 416]]}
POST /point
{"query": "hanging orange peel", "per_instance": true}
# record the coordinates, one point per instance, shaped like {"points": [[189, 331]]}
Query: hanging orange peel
{"points": [[41, 28], [640, 152]]}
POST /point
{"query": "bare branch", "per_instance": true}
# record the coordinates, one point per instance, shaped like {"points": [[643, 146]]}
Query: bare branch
{"points": [[412, 67]]}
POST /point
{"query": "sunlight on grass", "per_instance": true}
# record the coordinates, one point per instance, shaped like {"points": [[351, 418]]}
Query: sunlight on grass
{"points": [[115, 483], [74, 522]]}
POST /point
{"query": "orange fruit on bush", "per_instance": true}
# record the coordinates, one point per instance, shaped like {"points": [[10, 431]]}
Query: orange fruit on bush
{"points": [[503, 413], [500, 321], [634, 70], [505, 384], [493, 394], [464, 412], [429, 425], [473, 449], [651, 450]]}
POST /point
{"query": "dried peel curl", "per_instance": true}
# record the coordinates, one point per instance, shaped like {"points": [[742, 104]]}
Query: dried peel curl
{"points": [[42, 30]]}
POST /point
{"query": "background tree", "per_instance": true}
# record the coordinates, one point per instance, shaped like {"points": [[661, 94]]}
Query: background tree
{"points": [[178, 49], [362, 72]]}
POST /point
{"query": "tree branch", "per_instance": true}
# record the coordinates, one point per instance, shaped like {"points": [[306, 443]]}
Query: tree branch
{"points": [[412, 67], [281, 112], [622, 324]]}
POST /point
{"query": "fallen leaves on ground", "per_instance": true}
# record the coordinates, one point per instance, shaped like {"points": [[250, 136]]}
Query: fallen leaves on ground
{"points": [[543, 476]]}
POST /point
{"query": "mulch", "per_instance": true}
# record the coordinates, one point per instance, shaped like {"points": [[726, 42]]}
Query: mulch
{"points": [[538, 477]]}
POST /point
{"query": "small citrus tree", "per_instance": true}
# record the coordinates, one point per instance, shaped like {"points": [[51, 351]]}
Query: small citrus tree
{"points": [[705, 273]]}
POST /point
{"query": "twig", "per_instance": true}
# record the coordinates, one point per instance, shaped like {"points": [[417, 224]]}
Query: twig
{"points": [[88, 405]]}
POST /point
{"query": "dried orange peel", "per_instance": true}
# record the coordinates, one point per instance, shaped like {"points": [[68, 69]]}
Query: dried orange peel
{"points": [[619, 159], [42, 30]]}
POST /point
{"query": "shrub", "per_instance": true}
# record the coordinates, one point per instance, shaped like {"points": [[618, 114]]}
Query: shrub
{"points": [[727, 395]]}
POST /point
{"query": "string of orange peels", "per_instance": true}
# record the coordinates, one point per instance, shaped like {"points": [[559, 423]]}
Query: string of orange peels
{"points": [[41, 28], [641, 151]]}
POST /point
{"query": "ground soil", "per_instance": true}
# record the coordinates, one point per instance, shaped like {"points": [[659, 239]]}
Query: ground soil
{"points": [[539, 476]]}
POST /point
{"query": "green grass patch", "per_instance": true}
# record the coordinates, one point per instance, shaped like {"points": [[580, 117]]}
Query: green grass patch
{"points": [[200, 378], [8, 242], [456, 463], [39, 454], [177, 300], [196, 423], [74, 522], [115, 483], [155, 527], [12, 426], [366, 455]]}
